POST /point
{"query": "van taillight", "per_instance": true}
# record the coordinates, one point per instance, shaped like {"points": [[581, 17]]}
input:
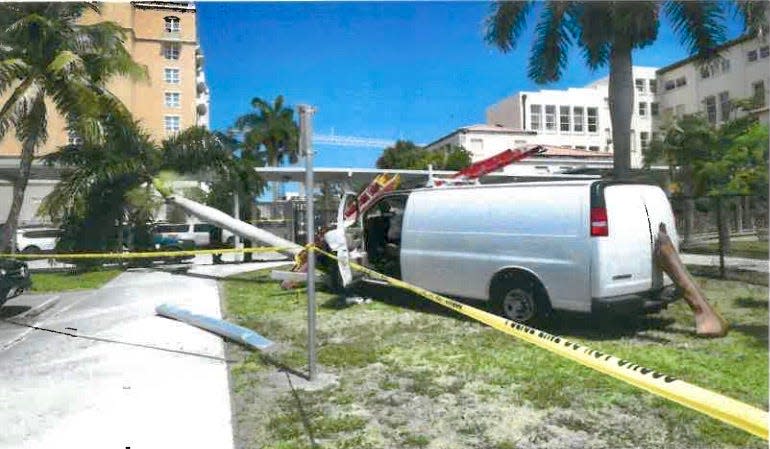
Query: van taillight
{"points": [[599, 226]]}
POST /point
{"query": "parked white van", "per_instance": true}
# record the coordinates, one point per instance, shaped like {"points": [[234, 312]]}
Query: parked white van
{"points": [[531, 248]]}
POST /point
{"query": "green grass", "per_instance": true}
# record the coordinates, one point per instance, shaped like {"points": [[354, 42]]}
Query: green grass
{"points": [[60, 282], [412, 374], [738, 248]]}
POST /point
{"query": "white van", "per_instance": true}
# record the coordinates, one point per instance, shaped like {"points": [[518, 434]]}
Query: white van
{"points": [[531, 248]]}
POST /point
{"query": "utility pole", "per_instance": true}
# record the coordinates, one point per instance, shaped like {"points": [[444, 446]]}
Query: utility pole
{"points": [[306, 149]]}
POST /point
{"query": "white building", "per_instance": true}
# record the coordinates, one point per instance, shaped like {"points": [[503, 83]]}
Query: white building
{"points": [[742, 72], [484, 141], [579, 117], [202, 100]]}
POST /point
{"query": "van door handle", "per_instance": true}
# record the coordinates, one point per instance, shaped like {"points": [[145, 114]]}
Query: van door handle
{"points": [[621, 276]]}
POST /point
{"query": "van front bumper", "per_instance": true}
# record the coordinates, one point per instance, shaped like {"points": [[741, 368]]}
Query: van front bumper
{"points": [[635, 303]]}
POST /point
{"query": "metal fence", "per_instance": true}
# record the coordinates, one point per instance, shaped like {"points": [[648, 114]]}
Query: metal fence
{"points": [[745, 215]]}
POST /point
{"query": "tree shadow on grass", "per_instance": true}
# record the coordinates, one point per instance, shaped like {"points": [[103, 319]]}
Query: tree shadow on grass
{"points": [[750, 303], [394, 296], [588, 326], [609, 327], [757, 331]]}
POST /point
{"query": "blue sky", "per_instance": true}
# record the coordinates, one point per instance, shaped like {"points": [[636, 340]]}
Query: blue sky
{"points": [[386, 70]]}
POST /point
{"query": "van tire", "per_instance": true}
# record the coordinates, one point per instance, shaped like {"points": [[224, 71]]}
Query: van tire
{"points": [[520, 297]]}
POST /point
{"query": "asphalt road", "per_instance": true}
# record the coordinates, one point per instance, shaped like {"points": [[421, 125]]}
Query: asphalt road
{"points": [[109, 373]]}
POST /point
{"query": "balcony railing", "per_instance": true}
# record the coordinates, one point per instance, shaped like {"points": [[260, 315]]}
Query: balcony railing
{"points": [[171, 35]]}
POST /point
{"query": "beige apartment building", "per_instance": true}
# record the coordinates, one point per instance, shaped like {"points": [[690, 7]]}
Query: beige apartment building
{"points": [[159, 35], [163, 37]]}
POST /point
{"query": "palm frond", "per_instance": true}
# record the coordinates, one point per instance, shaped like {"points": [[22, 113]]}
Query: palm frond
{"points": [[9, 112], [548, 57], [755, 15], [32, 128], [506, 23], [700, 25], [64, 62]]}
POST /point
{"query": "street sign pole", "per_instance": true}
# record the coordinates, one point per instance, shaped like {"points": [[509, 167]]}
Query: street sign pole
{"points": [[306, 149]]}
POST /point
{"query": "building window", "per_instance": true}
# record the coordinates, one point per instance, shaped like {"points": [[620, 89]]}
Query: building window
{"points": [[642, 109], [653, 86], [711, 108], [564, 124], [670, 85], [173, 99], [477, 147], [171, 76], [644, 139], [705, 72], [725, 64], [759, 93], [764, 52], [172, 24], [171, 51], [681, 81], [550, 118], [655, 136], [580, 147], [535, 119], [639, 85], [577, 115], [593, 148], [654, 109], [752, 55], [171, 123], [593, 119], [724, 106]]}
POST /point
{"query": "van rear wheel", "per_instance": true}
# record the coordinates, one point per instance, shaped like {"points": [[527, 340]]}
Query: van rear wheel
{"points": [[521, 299]]}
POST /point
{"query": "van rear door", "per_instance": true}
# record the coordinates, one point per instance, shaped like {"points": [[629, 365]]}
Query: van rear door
{"points": [[623, 259], [659, 211]]}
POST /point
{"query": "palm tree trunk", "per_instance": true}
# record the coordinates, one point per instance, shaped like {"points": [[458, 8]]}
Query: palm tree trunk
{"points": [[19, 187], [621, 93]]}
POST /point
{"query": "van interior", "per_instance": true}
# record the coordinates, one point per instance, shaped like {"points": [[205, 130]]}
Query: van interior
{"points": [[382, 234]]}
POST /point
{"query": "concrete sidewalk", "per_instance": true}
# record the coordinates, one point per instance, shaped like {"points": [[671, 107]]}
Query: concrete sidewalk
{"points": [[121, 376], [735, 263]]}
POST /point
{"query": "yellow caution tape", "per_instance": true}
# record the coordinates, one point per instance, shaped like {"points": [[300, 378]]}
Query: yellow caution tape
{"points": [[723, 408], [145, 254]]}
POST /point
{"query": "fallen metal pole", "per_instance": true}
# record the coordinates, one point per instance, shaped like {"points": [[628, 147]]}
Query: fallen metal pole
{"points": [[220, 327], [237, 227]]}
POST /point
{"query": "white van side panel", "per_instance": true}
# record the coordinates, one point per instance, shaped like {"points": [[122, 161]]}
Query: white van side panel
{"points": [[454, 240]]}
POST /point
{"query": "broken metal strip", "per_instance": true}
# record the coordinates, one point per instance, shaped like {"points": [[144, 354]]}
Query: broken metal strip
{"points": [[220, 327]]}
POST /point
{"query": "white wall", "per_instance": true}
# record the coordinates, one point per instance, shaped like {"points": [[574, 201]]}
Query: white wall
{"points": [[516, 112], [36, 191], [736, 80]]}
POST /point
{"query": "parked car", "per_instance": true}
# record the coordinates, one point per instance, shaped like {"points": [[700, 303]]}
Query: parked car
{"points": [[37, 240], [14, 279], [530, 248], [195, 232]]}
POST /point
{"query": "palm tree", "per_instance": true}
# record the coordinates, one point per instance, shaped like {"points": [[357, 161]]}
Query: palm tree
{"points": [[104, 180], [685, 144], [607, 32], [46, 56], [273, 127]]}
